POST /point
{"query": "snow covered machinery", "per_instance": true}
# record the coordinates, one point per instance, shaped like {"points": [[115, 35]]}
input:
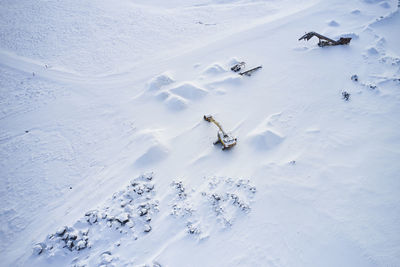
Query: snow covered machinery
{"points": [[325, 41], [241, 65], [225, 139]]}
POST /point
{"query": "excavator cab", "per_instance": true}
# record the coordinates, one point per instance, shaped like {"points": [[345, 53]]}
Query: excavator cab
{"points": [[225, 139]]}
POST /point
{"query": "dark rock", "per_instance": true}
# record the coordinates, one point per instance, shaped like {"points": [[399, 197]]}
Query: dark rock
{"points": [[61, 231], [354, 78], [149, 187], [65, 236], [70, 244], [123, 218], [73, 236], [346, 96], [216, 197], [38, 249], [147, 228], [143, 212], [81, 245], [91, 217]]}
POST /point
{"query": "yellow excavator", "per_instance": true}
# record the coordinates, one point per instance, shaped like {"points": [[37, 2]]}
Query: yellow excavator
{"points": [[225, 139]]}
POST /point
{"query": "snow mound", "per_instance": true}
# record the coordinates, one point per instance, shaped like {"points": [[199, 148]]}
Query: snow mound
{"points": [[233, 61], [266, 139], [214, 69], [176, 103], [163, 95], [189, 91], [333, 23], [372, 51], [351, 35], [159, 81], [154, 154]]}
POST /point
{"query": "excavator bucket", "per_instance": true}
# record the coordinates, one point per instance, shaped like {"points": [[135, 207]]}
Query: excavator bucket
{"points": [[208, 118]]}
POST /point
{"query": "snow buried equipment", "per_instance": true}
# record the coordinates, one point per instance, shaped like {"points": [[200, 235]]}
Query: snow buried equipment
{"points": [[225, 139], [238, 66], [250, 71], [325, 41]]}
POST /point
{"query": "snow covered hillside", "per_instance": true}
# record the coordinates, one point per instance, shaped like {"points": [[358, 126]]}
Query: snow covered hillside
{"points": [[106, 160]]}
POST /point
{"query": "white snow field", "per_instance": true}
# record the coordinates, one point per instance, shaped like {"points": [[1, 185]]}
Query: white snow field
{"points": [[106, 160]]}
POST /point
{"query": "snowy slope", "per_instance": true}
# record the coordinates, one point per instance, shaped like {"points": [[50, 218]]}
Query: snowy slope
{"points": [[94, 94]]}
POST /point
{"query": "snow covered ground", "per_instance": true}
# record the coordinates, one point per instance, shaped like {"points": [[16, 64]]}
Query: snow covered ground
{"points": [[102, 131]]}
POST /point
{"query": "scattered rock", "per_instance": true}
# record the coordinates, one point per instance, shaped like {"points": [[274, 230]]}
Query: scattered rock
{"points": [[91, 216], [143, 212], [61, 231], [180, 189], [253, 189], [147, 228], [123, 218], [346, 96], [106, 258], [81, 245], [225, 197], [354, 78], [38, 249], [124, 208], [192, 229]]}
